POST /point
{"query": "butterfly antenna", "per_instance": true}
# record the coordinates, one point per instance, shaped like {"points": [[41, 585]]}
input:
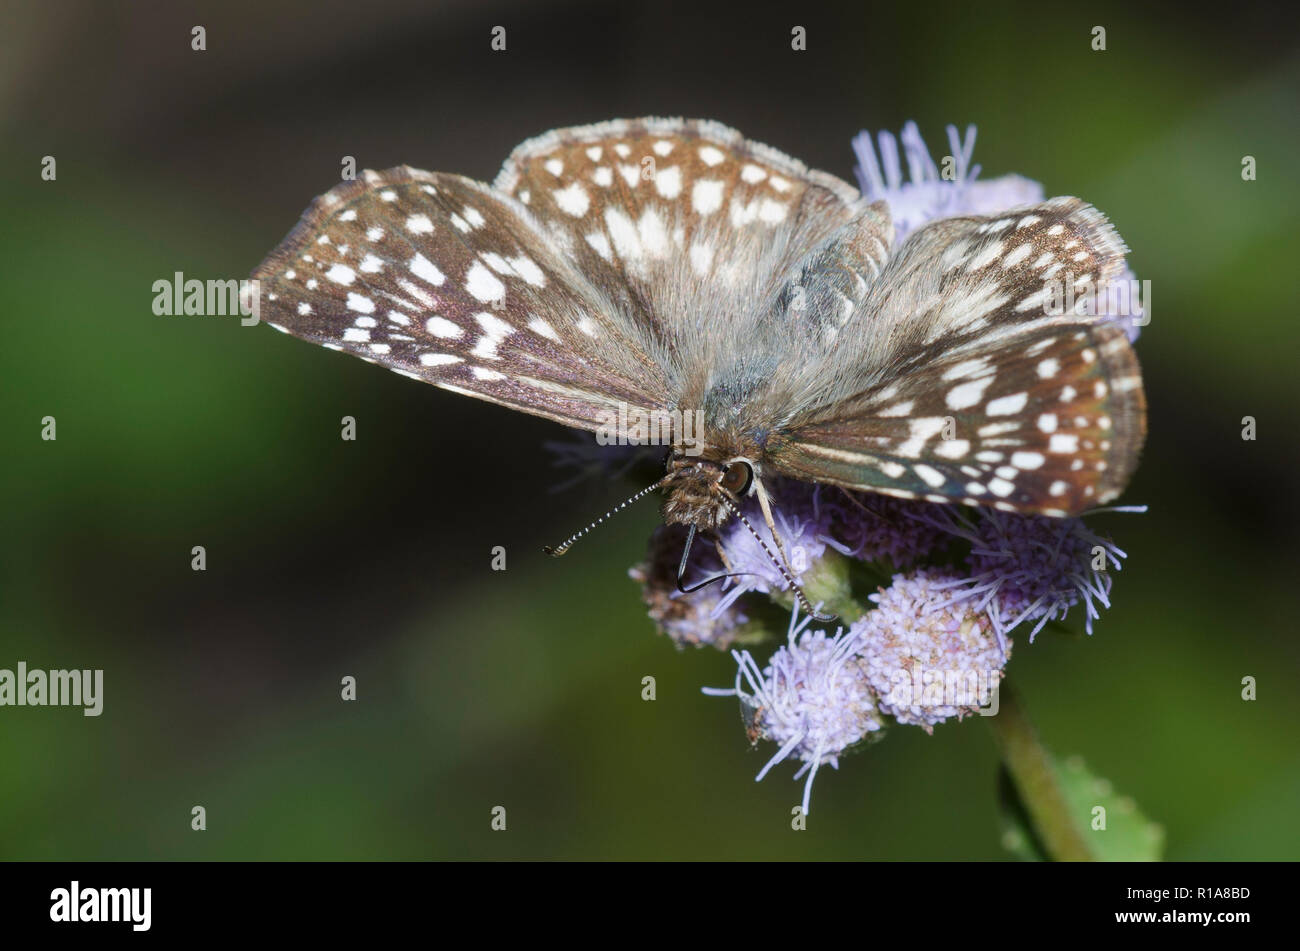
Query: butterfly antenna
{"points": [[560, 549], [789, 578]]}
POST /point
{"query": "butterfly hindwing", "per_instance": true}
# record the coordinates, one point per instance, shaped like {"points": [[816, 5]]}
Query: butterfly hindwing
{"points": [[1049, 420], [832, 282], [959, 282], [960, 378]]}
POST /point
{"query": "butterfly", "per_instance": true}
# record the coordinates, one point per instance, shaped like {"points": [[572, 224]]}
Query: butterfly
{"points": [[670, 269]]}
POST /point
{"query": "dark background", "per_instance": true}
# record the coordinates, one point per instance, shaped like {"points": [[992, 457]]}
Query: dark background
{"points": [[371, 558]]}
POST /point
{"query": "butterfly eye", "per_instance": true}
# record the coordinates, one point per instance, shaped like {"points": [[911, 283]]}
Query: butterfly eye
{"points": [[737, 477]]}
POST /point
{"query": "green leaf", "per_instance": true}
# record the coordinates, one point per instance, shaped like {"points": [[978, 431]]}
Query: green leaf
{"points": [[1127, 836]]}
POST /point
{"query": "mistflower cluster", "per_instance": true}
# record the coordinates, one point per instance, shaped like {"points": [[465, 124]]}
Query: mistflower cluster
{"points": [[927, 192], [926, 596], [928, 645], [708, 617], [878, 528], [928, 655], [813, 699], [1027, 568]]}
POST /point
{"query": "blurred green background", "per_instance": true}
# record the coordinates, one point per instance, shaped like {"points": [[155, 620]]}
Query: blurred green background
{"points": [[371, 558]]}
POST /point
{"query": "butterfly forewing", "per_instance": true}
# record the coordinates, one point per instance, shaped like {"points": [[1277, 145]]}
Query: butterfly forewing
{"points": [[438, 278], [690, 227]]}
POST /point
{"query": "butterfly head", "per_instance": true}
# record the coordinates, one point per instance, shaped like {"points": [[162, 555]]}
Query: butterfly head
{"points": [[705, 492]]}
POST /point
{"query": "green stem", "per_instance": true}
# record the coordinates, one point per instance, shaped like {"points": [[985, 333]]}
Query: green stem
{"points": [[1034, 773]]}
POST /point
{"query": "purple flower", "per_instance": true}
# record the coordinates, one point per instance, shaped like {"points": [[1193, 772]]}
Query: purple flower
{"points": [[1127, 310], [812, 699], [879, 527], [928, 655], [813, 518], [803, 526], [705, 617], [1029, 568], [925, 194]]}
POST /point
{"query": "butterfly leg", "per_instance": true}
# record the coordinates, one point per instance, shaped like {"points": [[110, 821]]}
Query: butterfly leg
{"points": [[766, 506]]}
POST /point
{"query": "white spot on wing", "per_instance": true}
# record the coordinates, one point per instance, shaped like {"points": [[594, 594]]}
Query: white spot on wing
{"points": [[772, 212], [1001, 487], [541, 327], [423, 268], [494, 331], [600, 243], [966, 395], [623, 233], [360, 303], [654, 238], [526, 268], [668, 182], [931, 477], [442, 327], [711, 156], [706, 196], [573, 200], [419, 224], [1006, 405], [701, 257], [341, 274], [1027, 460], [482, 284], [438, 359]]}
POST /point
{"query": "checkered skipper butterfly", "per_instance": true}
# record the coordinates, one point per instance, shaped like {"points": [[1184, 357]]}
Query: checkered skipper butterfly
{"points": [[634, 268]]}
